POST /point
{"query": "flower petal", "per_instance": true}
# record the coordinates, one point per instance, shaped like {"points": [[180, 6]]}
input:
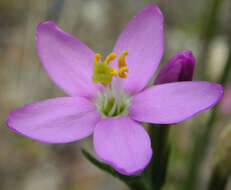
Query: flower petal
{"points": [[179, 68], [123, 143], [143, 37], [68, 62], [58, 120], [174, 102]]}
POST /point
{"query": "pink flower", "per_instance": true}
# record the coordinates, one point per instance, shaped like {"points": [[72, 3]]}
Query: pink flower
{"points": [[112, 111]]}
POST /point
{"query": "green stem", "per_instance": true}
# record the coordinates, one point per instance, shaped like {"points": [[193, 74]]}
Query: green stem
{"points": [[156, 171], [210, 27], [199, 148], [217, 180]]}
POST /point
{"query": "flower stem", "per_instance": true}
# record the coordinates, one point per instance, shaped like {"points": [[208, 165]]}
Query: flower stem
{"points": [[210, 26], [199, 148], [217, 180], [156, 172]]}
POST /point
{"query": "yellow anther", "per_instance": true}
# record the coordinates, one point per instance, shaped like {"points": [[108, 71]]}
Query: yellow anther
{"points": [[97, 58], [110, 57], [103, 73], [113, 71], [123, 71], [121, 61]]}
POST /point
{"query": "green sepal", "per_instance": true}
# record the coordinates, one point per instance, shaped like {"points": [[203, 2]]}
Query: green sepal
{"points": [[135, 182]]}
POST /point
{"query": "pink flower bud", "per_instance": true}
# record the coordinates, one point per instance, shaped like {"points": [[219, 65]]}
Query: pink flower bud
{"points": [[179, 68]]}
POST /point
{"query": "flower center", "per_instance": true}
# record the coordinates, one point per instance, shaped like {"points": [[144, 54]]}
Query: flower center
{"points": [[113, 101], [111, 105]]}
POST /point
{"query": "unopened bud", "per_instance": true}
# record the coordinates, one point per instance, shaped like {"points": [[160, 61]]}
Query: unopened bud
{"points": [[179, 68]]}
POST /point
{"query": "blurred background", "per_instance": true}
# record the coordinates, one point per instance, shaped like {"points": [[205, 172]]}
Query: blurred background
{"points": [[201, 26]]}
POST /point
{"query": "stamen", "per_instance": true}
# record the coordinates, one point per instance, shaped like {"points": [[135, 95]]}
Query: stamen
{"points": [[97, 58], [113, 71], [113, 109], [122, 65], [106, 95], [121, 61], [122, 71], [110, 57]]}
